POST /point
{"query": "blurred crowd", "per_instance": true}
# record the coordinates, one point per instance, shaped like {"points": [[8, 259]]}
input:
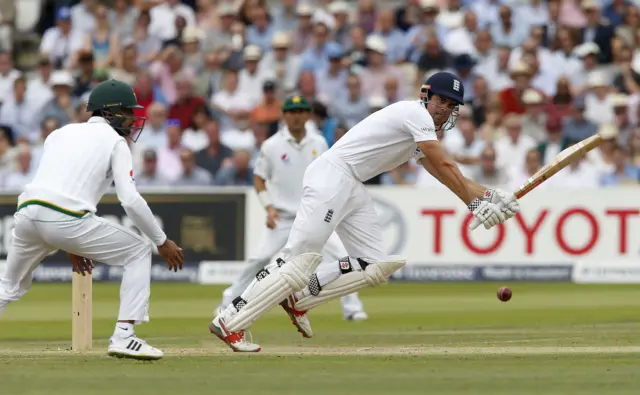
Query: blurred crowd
{"points": [[212, 74]]}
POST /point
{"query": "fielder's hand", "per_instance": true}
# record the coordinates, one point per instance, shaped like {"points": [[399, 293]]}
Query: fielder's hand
{"points": [[170, 252], [505, 200], [487, 213], [272, 217], [80, 264]]}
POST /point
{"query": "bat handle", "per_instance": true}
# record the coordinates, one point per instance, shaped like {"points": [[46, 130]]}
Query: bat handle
{"points": [[476, 222]]}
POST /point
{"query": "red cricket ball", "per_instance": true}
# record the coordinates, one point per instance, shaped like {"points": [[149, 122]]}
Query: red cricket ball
{"points": [[504, 294]]}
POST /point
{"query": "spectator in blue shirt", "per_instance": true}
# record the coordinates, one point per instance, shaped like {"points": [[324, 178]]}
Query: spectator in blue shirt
{"points": [[315, 58], [260, 32], [624, 173]]}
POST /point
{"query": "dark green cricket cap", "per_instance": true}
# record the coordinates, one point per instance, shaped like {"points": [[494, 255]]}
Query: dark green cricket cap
{"points": [[296, 103]]}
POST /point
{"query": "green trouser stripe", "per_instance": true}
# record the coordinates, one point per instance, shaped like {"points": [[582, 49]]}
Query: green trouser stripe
{"points": [[76, 214]]}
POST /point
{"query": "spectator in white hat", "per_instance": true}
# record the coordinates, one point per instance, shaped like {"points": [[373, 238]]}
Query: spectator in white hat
{"points": [[193, 56], [597, 30], [253, 76], [220, 37], [283, 63], [62, 106], [378, 69], [303, 35], [341, 12], [587, 53], [597, 103], [535, 118]]}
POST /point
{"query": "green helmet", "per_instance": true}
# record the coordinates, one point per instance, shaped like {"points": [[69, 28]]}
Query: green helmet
{"points": [[109, 99]]}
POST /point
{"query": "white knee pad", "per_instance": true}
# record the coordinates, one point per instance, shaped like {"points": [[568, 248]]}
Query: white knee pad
{"points": [[373, 275], [273, 288]]}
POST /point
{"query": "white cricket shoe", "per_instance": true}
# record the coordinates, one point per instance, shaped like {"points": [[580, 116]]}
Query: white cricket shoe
{"points": [[132, 347], [235, 340], [298, 318], [358, 316]]}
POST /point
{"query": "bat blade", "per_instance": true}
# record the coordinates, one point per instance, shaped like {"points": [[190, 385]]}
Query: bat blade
{"points": [[562, 160]]}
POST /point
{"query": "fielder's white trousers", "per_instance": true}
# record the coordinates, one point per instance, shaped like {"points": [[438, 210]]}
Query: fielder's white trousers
{"points": [[271, 243], [39, 231]]}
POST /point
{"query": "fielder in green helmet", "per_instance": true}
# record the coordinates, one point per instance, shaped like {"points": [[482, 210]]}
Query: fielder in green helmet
{"points": [[57, 211], [115, 101]]}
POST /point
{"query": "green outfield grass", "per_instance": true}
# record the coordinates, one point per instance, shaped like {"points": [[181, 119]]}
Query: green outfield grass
{"points": [[420, 338]]}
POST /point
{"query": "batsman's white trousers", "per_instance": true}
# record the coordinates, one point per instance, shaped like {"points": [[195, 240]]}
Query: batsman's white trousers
{"points": [[39, 231], [334, 199], [271, 243]]}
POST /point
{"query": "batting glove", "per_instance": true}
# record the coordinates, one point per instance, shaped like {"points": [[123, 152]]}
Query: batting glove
{"points": [[507, 202], [489, 214]]}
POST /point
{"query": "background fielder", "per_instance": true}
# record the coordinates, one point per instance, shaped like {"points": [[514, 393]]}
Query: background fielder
{"points": [[335, 198], [278, 180], [57, 209]]}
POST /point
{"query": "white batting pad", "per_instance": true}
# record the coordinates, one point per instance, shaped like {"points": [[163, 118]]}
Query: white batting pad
{"points": [[274, 288], [373, 275]]}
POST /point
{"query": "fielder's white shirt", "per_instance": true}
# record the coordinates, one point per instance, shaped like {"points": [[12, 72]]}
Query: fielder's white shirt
{"points": [[78, 165], [385, 139], [282, 163]]}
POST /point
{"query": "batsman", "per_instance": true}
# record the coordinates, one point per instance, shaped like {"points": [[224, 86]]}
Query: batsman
{"points": [[334, 198], [283, 159], [57, 210]]}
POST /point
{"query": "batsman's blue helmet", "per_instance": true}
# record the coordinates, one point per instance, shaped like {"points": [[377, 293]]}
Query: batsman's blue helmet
{"points": [[444, 84]]}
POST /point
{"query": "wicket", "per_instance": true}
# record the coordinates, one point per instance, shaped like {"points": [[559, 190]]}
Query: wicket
{"points": [[82, 319]]}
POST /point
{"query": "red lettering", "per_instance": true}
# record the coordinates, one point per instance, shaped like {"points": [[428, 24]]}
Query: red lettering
{"points": [[622, 215], [437, 229], [595, 231], [464, 233], [529, 232]]}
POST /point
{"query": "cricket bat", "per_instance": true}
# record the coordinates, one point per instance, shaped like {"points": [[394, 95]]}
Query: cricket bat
{"points": [[562, 160]]}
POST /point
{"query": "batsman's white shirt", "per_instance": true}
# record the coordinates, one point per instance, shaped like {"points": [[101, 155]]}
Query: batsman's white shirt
{"points": [[282, 163], [56, 212], [334, 196]]}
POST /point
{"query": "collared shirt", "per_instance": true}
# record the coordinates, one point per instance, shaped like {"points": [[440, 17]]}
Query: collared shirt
{"points": [[282, 163]]}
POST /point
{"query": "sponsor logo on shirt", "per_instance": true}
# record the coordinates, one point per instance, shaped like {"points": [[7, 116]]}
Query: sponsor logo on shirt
{"points": [[285, 158], [131, 175]]}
